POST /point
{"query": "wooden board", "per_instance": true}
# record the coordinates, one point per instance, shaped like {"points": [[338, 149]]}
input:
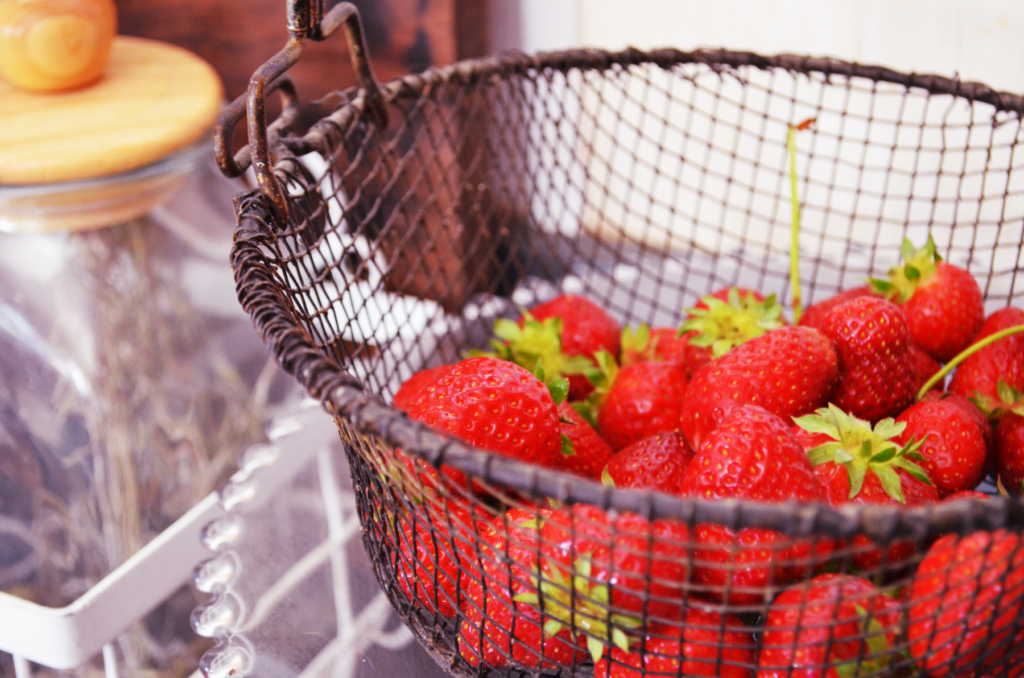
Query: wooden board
{"points": [[153, 99]]}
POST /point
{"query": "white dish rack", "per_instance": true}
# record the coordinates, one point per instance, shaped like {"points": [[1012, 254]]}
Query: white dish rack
{"points": [[68, 637], [203, 546]]}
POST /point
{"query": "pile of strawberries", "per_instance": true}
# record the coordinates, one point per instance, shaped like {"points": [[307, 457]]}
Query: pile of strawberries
{"points": [[735, 404]]}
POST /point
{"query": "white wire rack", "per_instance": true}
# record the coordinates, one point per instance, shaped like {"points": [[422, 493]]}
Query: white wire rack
{"points": [[292, 591], [71, 636]]}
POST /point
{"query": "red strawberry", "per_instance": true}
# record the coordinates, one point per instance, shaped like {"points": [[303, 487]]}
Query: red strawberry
{"points": [[752, 455], [835, 625], [924, 367], [707, 644], [789, 372], [942, 303], [590, 451], [499, 604], [814, 313], [969, 408], [863, 465], [660, 344], [563, 334], [606, 573], [494, 405], [1009, 452], [434, 546], [657, 462], [643, 399], [510, 629], [420, 481], [966, 494], [411, 388], [868, 557], [876, 373], [723, 320], [978, 376], [966, 600], [953, 447]]}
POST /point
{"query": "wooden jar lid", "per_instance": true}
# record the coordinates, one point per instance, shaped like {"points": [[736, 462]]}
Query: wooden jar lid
{"points": [[154, 99]]}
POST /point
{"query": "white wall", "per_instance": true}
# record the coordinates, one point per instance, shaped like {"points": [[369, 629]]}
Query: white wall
{"points": [[980, 39]]}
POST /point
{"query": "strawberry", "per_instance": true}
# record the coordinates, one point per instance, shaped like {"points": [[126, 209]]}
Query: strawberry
{"points": [[814, 313], [863, 465], [953, 446], [421, 482], [510, 630], [433, 547], [942, 303], [964, 601], [590, 451], [644, 344], [411, 388], [498, 604], [969, 408], [924, 367], [789, 372], [564, 334], [494, 405], [752, 455], [606, 573], [643, 399], [965, 494], [876, 374], [1009, 452], [657, 462], [978, 376], [833, 626], [706, 644], [723, 320]]}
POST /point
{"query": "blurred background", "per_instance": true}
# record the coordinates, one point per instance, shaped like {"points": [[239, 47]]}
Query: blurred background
{"points": [[977, 39]]}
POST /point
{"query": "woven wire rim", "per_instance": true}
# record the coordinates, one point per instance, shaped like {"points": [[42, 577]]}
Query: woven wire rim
{"points": [[343, 395]]}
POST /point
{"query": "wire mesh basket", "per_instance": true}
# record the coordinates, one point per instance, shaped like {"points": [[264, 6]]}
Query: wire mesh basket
{"points": [[389, 236]]}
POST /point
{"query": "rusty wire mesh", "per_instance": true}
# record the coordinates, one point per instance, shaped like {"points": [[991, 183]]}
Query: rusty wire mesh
{"points": [[643, 180]]}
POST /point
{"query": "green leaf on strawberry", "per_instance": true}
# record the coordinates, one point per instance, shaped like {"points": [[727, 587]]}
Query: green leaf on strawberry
{"points": [[602, 377], [724, 325], [879, 650], [862, 449], [606, 478], [567, 447], [636, 340], [1010, 400], [573, 599], [534, 342], [918, 268], [559, 390], [588, 413], [552, 627]]}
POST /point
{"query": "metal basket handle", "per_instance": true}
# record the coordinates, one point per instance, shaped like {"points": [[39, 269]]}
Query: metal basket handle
{"points": [[306, 21]]}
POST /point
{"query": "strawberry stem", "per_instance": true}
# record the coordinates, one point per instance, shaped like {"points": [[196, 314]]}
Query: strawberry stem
{"points": [[794, 199], [963, 355]]}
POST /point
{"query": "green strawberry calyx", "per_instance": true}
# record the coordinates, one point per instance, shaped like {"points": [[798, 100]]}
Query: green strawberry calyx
{"points": [[559, 390], [724, 325], [1010, 401], [606, 478], [601, 377], [860, 449], [879, 651], [918, 267], [535, 342], [636, 344], [575, 601]]}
